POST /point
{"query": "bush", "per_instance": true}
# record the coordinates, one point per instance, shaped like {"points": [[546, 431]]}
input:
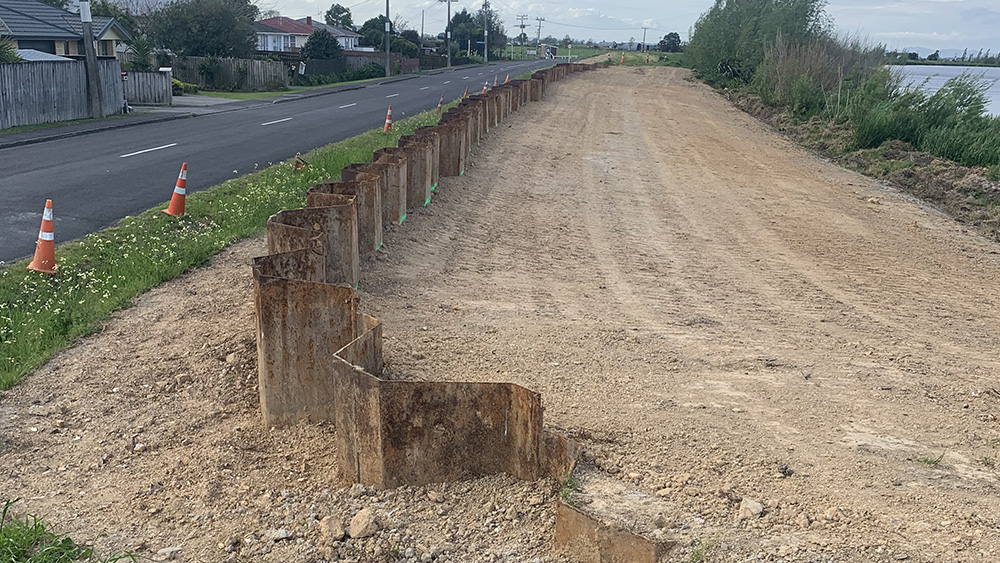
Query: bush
{"points": [[181, 88], [370, 70]]}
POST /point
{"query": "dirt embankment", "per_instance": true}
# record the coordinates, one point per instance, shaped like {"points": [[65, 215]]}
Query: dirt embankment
{"points": [[719, 317]]}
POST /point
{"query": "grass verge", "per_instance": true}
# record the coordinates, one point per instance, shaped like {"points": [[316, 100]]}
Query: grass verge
{"points": [[31, 540], [104, 271]]}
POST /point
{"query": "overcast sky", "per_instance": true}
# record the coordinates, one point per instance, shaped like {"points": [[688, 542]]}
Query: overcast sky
{"points": [[935, 24]]}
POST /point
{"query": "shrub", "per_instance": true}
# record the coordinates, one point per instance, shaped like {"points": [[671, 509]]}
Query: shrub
{"points": [[181, 88]]}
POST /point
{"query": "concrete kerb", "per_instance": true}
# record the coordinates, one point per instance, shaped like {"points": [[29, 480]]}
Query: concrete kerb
{"points": [[104, 127], [320, 358]]}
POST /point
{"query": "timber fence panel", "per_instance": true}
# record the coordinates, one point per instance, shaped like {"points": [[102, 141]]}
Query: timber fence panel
{"points": [[149, 88], [44, 92]]}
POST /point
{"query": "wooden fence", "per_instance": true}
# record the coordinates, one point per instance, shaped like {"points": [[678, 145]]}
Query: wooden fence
{"points": [[44, 92], [243, 75], [149, 88]]}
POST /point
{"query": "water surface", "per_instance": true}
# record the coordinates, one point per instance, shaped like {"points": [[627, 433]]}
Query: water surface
{"points": [[936, 76]]}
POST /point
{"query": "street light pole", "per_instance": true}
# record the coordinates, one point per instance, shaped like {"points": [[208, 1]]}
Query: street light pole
{"points": [[93, 90], [447, 31], [486, 31]]}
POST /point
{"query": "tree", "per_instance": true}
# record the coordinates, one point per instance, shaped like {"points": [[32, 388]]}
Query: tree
{"points": [[61, 4], [913, 56], [373, 32], [321, 45], [400, 45], [221, 28], [497, 32], [121, 15], [339, 16], [8, 52], [565, 41], [671, 43], [936, 55], [411, 36]]}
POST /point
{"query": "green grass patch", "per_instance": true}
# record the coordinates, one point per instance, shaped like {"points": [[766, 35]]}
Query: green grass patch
{"points": [[932, 461], [31, 540], [106, 270]]}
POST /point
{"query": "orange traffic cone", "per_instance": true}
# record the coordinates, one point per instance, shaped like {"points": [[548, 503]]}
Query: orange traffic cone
{"points": [[485, 86], [506, 80], [45, 249], [466, 94], [647, 58], [300, 164], [176, 207], [440, 103], [388, 121], [623, 56]]}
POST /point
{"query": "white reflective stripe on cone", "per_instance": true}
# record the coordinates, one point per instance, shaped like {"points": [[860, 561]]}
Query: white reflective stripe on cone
{"points": [[47, 215], [184, 175], [180, 191], [42, 235]]}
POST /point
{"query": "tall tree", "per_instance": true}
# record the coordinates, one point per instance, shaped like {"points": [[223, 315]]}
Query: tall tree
{"points": [[373, 32], [671, 43], [206, 27], [339, 16], [321, 45]]}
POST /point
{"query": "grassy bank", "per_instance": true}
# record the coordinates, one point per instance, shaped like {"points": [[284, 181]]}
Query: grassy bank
{"points": [[31, 540], [104, 271]]}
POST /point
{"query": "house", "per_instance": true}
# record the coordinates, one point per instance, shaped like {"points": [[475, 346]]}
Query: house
{"points": [[35, 25], [348, 39], [280, 34], [284, 35]]}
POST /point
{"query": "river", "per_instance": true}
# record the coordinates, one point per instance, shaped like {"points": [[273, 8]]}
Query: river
{"points": [[936, 76]]}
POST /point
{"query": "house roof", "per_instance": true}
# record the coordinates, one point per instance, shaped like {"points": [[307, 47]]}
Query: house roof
{"points": [[31, 19], [32, 55], [281, 24], [334, 30]]}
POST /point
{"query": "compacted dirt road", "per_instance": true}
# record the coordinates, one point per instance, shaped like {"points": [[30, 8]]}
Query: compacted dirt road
{"points": [[765, 357]]}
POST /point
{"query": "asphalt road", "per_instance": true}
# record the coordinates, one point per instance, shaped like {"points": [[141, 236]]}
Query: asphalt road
{"points": [[96, 179]]}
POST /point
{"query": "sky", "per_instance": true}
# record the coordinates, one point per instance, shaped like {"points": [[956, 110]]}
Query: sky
{"points": [[934, 24]]}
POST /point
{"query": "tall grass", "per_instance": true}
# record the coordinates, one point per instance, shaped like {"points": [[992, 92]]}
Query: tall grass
{"points": [[104, 271], [786, 52]]}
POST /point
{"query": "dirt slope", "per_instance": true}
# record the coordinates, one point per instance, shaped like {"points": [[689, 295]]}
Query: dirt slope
{"points": [[715, 314]]}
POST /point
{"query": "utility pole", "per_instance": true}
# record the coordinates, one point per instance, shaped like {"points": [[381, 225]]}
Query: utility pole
{"points": [[486, 31], [538, 40], [93, 90], [388, 68], [644, 38], [421, 46], [520, 38], [447, 31]]}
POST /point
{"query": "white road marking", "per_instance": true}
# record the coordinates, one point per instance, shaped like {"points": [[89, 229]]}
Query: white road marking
{"points": [[425, 87], [480, 74], [277, 121], [149, 150], [465, 78], [348, 105], [447, 81], [392, 95]]}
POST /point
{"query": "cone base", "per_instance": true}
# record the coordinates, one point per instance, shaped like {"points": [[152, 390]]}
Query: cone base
{"points": [[32, 267], [167, 211]]}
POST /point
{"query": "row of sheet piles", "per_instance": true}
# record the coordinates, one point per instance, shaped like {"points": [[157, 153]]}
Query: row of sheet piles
{"points": [[320, 357]]}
